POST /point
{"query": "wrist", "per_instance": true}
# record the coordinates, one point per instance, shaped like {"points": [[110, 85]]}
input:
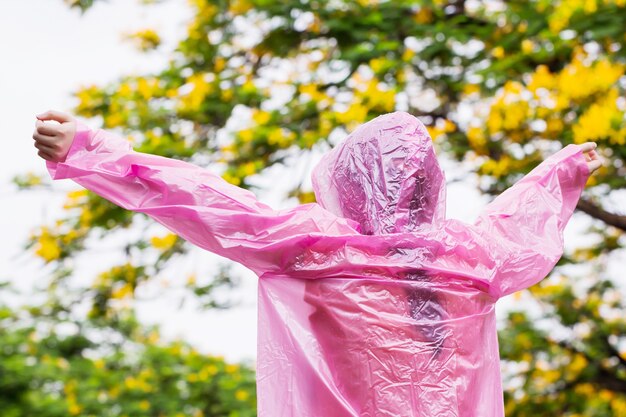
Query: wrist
{"points": [[79, 140]]}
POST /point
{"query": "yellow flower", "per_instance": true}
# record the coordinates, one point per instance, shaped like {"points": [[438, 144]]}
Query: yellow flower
{"points": [[191, 279], [246, 135], [476, 138], [496, 168], [512, 87], [114, 392], [423, 15], [114, 119], [63, 363], [247, 169], [241, 395], [231, 178], [378, 96], [239, 7], [449, 126], [311, 91], [408, 54], [145, 39], [378, 64], [527, 46], [309, 138], [125, 90], [541, 78], [618, 404], [133, 383], [563, 11], [75, 198], [590, 6], [578, 80], [275, 136], [200, 89], [122, 292], [207, 372], [248, 86], [69, 388], [498, 52], [434, 132], [325, 127], [469, 89], [261, 117], [74, 409], [584, 389], [144, 405], [176, 349], [602, 120], [554, 127], [147, 88], [356, 113], [164, 243], [515, 115], [231, 369], [494, 121], [366, 3], [578, 364], [153, 337], [48, 246], [219, 64], [226, 94]]}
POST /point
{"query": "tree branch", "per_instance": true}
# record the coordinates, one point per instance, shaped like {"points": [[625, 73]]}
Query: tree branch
{"points": [[597, 212]]}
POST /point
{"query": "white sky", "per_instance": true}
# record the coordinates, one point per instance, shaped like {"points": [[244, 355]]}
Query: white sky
{"points": [[46, 52]]}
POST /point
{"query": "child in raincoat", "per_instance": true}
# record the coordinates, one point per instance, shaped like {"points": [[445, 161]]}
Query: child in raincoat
{"points": [[371, 302]]}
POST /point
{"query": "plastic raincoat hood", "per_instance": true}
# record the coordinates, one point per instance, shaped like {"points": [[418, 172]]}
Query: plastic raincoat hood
{"points": [[385, 176], [371, 303]]}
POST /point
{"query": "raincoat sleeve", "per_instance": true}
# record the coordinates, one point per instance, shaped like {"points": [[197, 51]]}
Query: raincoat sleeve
{"points": [[192, 202], [524, 225]]}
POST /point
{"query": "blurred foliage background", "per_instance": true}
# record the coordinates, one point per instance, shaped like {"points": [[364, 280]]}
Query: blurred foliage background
{"points": [[501, 85]]}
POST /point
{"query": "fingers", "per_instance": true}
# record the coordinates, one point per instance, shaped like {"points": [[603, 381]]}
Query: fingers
{"points": [[55, 115], [44, 147], [53, 139], [47, 152], [588, 146], [594, 165], [48, 140], [43, 138], [594, 161], [47, 128], [47, 145], [593, 156], [45, 155]]}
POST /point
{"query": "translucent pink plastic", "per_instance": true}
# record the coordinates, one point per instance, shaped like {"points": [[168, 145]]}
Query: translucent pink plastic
{"points": [[371, 303]]}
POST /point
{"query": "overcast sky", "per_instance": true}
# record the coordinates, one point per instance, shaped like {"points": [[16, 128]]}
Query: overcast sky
{"points": [[46, 52]]}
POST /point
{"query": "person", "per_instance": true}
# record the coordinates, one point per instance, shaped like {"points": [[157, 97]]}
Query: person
{"points": [[371, 302]]}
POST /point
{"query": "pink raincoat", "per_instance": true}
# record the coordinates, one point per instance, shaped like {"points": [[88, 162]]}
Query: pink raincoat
{"points": [[371, 303]]}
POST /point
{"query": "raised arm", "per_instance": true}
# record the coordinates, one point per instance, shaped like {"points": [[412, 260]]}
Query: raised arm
{"points": [[523, 226], [190, 201]]}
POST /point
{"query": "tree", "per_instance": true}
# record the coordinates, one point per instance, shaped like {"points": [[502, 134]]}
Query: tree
{"points": [[56, 366], [500, 84]]}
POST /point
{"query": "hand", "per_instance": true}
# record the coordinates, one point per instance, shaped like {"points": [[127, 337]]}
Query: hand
{"points": [[54, 140], [594, 161]]}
